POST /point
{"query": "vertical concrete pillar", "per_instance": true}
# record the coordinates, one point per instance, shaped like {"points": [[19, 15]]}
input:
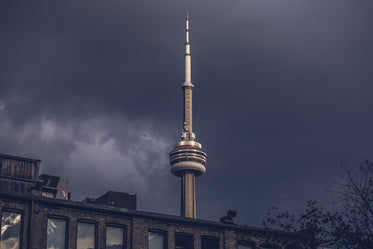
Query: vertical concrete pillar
{"points": [[188, 114], [188, 199]]}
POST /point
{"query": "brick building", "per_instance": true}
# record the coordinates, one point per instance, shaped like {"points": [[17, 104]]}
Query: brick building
{"points": [[37, 213]]}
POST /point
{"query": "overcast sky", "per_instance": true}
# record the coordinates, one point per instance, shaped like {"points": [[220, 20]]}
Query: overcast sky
{"points": [[283, 93]]}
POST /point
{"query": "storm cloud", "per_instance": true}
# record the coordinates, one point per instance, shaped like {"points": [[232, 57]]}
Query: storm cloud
{"points": [[283, 94]]}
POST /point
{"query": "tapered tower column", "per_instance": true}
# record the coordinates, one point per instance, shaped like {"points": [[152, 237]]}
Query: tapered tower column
{"points": [[187, 159]]}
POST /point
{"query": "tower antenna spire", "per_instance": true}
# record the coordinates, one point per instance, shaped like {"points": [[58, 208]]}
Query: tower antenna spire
{"points": [[187, 159], [187, 133]]}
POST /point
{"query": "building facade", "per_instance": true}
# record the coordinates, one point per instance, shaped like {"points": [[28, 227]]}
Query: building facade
{"points": [[32, 219]]}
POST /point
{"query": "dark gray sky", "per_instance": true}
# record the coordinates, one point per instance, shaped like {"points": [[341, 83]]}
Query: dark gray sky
{"points": [[283, 94]]}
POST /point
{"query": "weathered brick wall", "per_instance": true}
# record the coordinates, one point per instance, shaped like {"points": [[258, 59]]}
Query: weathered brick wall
{"points": [[140, 234], [230, 240], [137, 226]]}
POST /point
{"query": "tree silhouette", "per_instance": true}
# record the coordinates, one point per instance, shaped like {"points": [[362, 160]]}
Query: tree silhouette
{"points": [[349, 227]]}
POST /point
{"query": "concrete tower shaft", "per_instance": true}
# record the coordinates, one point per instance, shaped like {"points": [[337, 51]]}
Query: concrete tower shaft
{"points": [[187, 133], [187, 159]]}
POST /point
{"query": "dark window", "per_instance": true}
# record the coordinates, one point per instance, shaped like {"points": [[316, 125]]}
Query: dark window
{"points": [[156, 240], [183, 241], [210, 243], [11, 230], [269, 246], [86, 237], [114, 237], [244, 247], [56, 234]]}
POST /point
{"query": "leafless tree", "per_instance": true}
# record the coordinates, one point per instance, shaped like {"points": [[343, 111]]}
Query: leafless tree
{"points": [[350, 226]]}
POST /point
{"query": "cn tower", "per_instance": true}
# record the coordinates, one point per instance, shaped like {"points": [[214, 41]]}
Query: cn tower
{"points": [[187, 159]]}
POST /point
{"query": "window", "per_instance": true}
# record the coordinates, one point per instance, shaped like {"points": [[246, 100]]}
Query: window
{"points": [[86, 237], [114, 237], [269, 246], [11, 230], [56, 234], [183, 241], [244, 247], [156, 240], [209, 243]]}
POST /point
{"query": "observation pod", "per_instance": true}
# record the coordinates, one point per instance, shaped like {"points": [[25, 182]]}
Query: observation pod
{"points": [[188, 156]]}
